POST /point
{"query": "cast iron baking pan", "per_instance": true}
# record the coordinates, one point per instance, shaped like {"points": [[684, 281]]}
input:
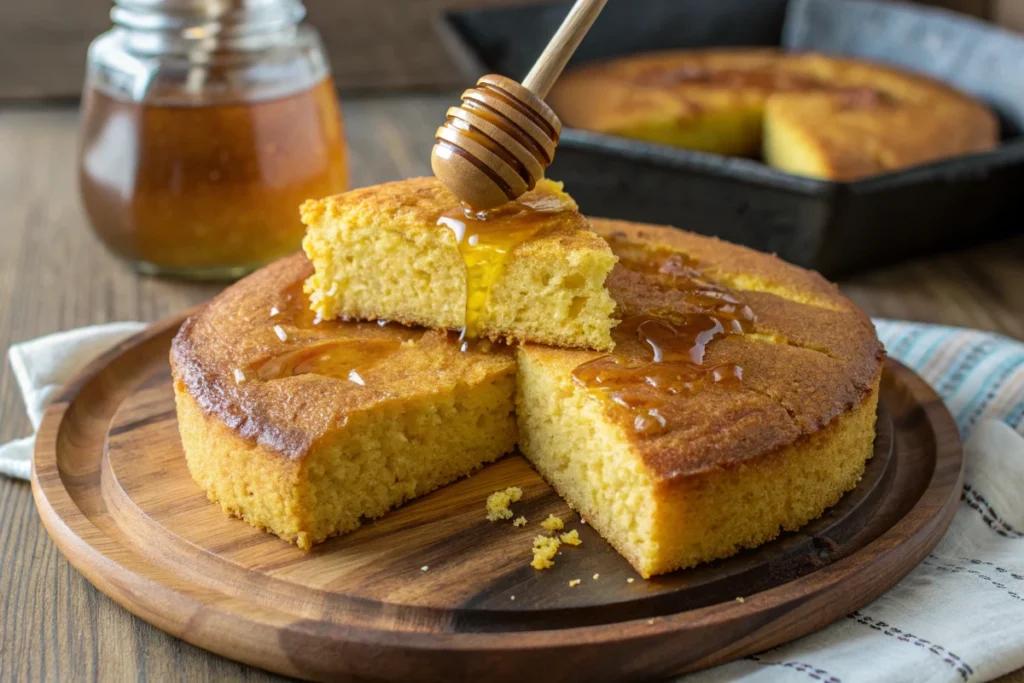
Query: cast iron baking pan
{"points": [[834, 227]]}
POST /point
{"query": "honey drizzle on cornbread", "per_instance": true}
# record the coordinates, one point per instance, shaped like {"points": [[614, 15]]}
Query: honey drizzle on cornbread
{"points": [[485, 240], [314, 350], [673, 342]]}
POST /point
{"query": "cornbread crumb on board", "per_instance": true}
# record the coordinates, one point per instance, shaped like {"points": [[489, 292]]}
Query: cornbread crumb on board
{"points": [[544, 549], [596, 577], [740, 600], [630, 580], [552, 523], [499, 501], [574, 583], [571, 538], [519, 521]]}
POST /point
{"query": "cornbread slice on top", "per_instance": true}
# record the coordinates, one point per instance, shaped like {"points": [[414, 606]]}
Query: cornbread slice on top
{"points": [[406, 252], [805, 113], [678, 469], [305, 428]]}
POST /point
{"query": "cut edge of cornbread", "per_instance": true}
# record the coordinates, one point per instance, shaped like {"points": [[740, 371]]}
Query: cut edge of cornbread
{"points": [[585, 458], [402, 266], [730, 133], [371, 464], [660, 525]]}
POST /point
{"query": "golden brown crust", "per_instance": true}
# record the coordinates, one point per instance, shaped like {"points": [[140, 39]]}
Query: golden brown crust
{"points": [[416, 204], [235, 331], [878, 117], [804, 364]]}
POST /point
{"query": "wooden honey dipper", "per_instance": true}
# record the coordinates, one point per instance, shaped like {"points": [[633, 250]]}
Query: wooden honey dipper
{"points": [[496, 146]]}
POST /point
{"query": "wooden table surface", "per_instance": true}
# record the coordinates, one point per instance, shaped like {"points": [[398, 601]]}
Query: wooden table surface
{"points": [[54, 275]]}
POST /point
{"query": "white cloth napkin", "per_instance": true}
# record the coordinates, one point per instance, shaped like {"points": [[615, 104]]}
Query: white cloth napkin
{"points": [[959, 616], [42, 366]]}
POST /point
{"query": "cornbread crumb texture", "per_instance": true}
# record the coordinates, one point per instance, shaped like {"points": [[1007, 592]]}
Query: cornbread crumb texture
{"points": [[544, 549], [308, 456], [805, 113], [499, 501], [519, 521], [574, 583], [571, 537], [741, 462], [379, 253], [552, 523]]}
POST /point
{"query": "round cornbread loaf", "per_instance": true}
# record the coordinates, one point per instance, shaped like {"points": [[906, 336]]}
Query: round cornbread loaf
{"points": [[298, 445], [806, 113]]}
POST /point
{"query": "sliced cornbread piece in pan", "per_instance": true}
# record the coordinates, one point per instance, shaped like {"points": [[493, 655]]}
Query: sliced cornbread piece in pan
{"points": [[304, 428], [810, 114], [407, 252], [757, 414]]}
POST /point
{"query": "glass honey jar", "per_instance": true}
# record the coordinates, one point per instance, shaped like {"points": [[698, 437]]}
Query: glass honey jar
{"points": [[205, 123]]}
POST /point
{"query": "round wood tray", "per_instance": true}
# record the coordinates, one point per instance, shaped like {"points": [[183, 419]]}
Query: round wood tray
{"points": [[112, 488]]}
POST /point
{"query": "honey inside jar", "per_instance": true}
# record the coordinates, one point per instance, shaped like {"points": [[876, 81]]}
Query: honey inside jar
{"points": [[659, 353], [207, 190]]}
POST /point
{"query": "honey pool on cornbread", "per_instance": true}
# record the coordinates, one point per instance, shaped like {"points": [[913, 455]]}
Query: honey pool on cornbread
{"points": [[739, 401]]}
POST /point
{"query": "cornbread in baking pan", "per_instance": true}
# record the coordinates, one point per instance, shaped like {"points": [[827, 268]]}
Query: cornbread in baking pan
{"points": [[805, 113], [408, 252]]}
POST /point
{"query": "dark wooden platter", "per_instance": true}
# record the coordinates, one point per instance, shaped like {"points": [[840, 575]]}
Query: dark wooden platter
{"points": [[112, 488]]}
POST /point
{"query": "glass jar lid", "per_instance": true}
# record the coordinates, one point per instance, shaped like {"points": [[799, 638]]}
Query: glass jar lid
{"points": [[157, 24]]}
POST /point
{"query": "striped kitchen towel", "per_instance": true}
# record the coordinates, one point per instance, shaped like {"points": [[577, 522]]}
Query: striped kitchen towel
{"points": [[959, 616], [979, 375]]}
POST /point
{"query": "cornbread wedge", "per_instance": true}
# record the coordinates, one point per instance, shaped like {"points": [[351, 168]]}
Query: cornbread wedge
{"points": [[305, 429], [406, 252], [694, 471], [809, 114]]}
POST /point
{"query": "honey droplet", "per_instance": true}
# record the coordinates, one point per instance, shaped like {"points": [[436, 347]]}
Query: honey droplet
{"points": [[485, 241]]}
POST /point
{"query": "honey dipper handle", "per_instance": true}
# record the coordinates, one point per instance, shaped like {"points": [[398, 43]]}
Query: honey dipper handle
{"points": [[565, 41]]}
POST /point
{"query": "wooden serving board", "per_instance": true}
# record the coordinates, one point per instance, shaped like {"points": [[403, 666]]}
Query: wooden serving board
{"points": [[113, 490]]}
